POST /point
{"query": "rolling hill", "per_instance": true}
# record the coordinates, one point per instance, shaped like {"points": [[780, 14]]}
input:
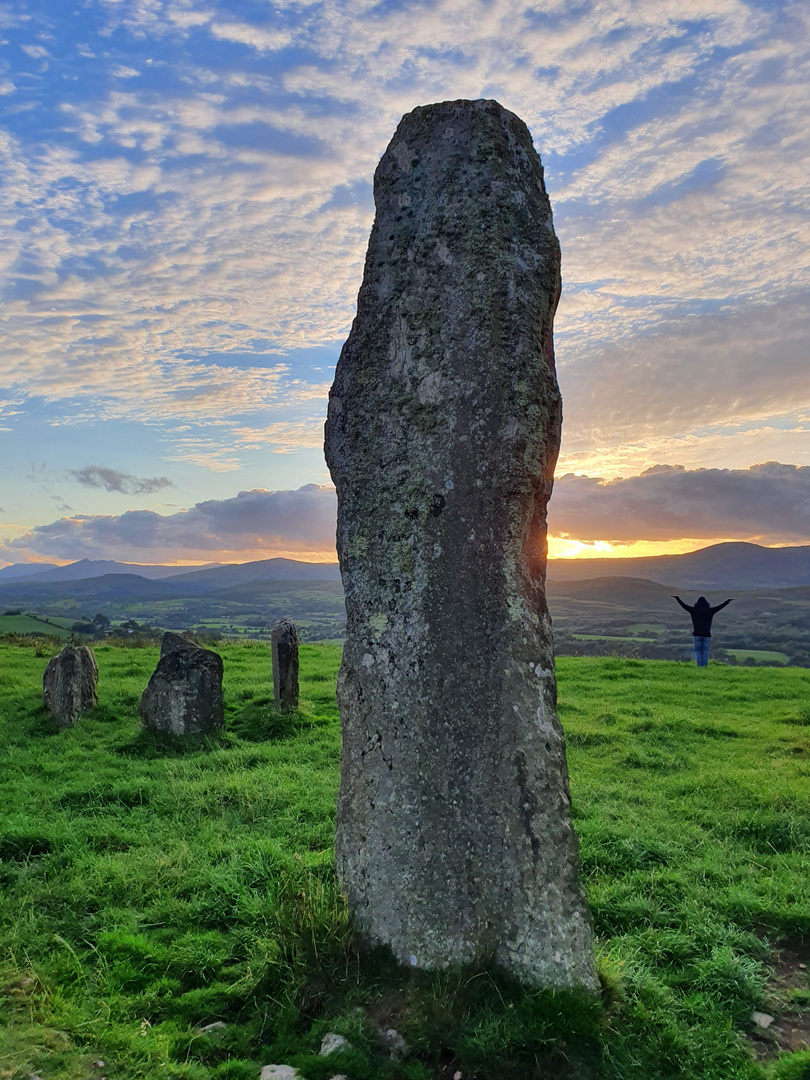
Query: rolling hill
{"points": [[731, 566]]}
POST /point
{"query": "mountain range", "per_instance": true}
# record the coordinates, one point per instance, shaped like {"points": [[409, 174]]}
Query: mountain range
{"points": [[90, 568], [729, 566], [720, 566]]}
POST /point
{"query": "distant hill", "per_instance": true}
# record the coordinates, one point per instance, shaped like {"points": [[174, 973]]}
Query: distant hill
{"points": [[722, 566], [608, 591], [89, 568], [20, 571], [223, 577], [731, 567], [104, 587]]}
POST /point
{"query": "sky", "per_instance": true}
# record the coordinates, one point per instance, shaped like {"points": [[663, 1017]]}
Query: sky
{"points": [[185, 205]]}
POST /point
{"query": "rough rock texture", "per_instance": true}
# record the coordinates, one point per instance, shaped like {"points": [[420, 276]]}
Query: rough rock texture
{"points": [[454, 839], [69, 684], [279, 1072], [184, 695], [333, 1043], [284, 647]]}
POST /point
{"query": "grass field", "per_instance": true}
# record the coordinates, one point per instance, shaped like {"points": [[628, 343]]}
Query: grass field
{"points": [[149, 889], [759, 654], [33, 624]]}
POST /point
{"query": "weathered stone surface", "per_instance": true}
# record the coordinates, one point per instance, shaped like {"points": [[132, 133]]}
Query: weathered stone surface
{"points": [[454, 839], [184, 695], [279, 1072], [69, 684], [332, 1043], [284, 647]]}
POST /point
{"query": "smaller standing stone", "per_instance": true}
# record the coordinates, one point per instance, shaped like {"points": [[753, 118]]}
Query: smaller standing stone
{"points": [[285, 664], [69, 684], [184, 695]]}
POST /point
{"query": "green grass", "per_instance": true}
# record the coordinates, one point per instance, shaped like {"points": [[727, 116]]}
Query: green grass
{"points": [[32, 624], [149, 888], [609, 637], [758, 654]]}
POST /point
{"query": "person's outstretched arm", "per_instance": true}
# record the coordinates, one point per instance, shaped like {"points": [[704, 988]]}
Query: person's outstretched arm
{"points": [[720, 607], [683, 605]]}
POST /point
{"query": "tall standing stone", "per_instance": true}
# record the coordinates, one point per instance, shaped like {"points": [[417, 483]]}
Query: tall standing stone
{"points": [[69, 684], [454, 838], [184, 694], [284, 648]]}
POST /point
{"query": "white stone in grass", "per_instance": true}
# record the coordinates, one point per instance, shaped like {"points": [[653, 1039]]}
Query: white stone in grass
{"points": [[215, 1028], [392, 1041], [280, 1072], [333, 1043], [762, 1020]]}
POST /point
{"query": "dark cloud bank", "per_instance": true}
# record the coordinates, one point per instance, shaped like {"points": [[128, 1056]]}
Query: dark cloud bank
{"points": [[768, 503]]}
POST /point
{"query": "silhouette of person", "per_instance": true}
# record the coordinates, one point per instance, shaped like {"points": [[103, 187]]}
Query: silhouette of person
{"points": [[702, 614]]}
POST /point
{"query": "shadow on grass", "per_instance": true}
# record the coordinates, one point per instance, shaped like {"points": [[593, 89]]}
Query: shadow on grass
{"points": [[261, 721], [472, 1019], [148, 745]]}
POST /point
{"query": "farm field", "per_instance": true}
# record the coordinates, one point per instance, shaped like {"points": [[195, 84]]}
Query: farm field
{"points": [[759, 654], [33, 624], [149, 890]]}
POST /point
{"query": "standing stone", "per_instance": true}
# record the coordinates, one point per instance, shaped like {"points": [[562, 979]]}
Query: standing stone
{"points": [[454, 839], [184, 695], [69, 684], [284, 647]]}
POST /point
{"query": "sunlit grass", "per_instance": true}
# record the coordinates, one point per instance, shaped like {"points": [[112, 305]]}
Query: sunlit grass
{"points": [[149, 889]]}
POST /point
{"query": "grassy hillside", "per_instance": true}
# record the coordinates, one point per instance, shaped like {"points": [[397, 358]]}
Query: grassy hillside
{"points": [[34, 624], [149, 890]]}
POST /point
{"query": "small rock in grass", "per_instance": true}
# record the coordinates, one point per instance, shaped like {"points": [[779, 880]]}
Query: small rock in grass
{"points": [[333, 1044], [392, 1041], [761, 1019], [279, 1072], [215, 1028], [69, 684], [339, 1076]]}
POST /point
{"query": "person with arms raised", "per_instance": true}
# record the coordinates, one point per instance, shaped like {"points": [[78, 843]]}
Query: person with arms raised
{"points": [[702, 614]]}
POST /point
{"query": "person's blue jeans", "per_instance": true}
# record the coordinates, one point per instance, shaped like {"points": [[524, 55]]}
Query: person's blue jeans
{"points": [[702, 650]]}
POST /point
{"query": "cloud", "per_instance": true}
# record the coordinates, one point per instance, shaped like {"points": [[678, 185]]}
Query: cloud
{"points": [[767, 503], [284, 436], [97, 476], [252, 525], [221, 199], [708, 370], [255, 37]]}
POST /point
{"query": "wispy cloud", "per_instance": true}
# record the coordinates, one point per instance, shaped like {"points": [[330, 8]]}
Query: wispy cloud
{"points": [[98, 476], [203, 191]]}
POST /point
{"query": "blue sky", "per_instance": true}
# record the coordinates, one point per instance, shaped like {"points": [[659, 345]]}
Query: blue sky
{"points": [[185, 206]]}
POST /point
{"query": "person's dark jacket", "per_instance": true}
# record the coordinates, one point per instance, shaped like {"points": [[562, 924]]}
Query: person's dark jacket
{"points": [[702, 614]]}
